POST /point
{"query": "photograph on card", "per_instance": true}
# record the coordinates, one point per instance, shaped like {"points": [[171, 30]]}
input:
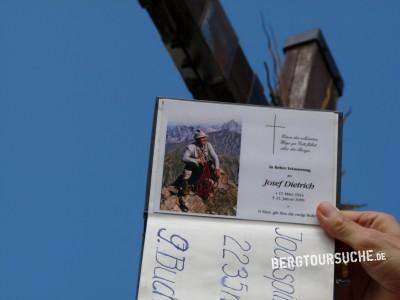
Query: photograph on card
{"points": [[201, 166]]}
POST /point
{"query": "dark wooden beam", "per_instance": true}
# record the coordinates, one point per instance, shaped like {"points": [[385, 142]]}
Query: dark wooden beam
{"points": [[203, 44]]}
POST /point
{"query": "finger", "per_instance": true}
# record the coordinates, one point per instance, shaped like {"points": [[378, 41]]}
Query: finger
{"points": [[376, 220], [340, 227]]}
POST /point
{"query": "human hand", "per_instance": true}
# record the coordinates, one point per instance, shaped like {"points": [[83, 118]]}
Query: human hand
{"points": [[201, 162], [374, 280], [218, 173]]}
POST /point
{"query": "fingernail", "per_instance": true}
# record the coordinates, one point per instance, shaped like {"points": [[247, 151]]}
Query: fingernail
{"points": [[326, 209]]}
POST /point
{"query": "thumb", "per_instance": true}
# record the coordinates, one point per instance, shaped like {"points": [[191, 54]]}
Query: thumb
{"points": [[338, 226]]}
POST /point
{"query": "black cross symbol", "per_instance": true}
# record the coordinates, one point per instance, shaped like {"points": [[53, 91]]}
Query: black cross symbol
{"points": [[274, 126]]}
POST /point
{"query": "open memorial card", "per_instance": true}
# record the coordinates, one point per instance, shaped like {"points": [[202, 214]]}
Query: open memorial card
{"points": [[234, 188]]}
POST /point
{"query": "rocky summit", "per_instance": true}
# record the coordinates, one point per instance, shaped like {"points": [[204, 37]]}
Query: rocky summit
{"points": [[222, 201]]}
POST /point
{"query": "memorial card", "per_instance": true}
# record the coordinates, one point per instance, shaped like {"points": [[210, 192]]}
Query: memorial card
{"points": [[242, 161]]}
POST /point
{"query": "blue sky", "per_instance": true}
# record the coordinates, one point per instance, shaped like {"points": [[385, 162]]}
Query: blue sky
{"points": [[77, 86]]}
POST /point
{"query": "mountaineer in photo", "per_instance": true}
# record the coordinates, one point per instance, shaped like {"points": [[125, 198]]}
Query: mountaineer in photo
{"points": [[202, 169]]}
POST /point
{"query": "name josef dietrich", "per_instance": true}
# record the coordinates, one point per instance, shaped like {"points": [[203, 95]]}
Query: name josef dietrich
{"points": [[288, 183]]}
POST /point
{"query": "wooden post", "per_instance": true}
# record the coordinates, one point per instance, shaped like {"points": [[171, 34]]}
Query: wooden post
{"points": [[203, 44], [309, 77]]}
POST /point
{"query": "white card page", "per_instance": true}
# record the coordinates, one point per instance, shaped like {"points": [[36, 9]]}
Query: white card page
{"points": [[279, 163], [192, 259]]}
